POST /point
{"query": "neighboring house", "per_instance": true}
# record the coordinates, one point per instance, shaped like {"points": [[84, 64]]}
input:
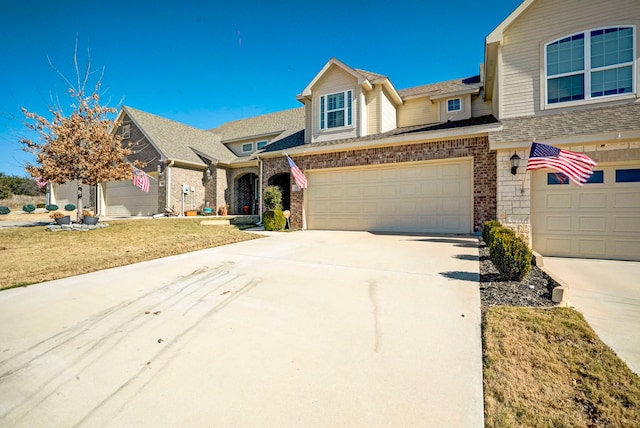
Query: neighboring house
{"points": [[434, 158], [565, 73]]}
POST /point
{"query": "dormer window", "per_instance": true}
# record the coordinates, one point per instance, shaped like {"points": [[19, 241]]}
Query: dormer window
{"points": [[247, 148], [454, 105], [261, 145], [126, 131], [336, 110], [589, 65]]}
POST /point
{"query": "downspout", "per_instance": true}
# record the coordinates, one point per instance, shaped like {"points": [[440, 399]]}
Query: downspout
{"points": [[260, 190], [168, 186]]}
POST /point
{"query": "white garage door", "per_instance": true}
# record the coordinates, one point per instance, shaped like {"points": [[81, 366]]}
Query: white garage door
{"points": [[122, 198], [416, 197], [598, 220]]}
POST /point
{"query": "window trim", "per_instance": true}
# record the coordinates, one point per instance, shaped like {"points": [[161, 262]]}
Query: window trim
{"points": [[250, 147], [347, 109], [126, 127], [263, 142], [587, 70], [459, 109]]}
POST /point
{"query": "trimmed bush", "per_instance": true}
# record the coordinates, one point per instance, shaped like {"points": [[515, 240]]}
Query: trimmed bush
{"points": [[486, 229], [69, 207], [40, 205], [272, 197], [274, 220], [498, 230], [29, 208], [52, 207], [4, 210], [509, 254]]}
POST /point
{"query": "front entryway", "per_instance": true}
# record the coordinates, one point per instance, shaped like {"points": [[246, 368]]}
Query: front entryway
{"points": [[284, 182], [411, 197], [247, 191]]}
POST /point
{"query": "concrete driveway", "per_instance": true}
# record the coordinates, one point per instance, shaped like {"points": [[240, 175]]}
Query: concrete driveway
{"points": [[607, 293], [313, 329]]}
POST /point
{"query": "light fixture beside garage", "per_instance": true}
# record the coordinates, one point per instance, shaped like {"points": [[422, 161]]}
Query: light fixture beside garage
{"points": [[515, 163]]}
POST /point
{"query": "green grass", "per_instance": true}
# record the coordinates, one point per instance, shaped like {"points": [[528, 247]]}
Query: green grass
{"points": [[547, 368], [31, 255]]}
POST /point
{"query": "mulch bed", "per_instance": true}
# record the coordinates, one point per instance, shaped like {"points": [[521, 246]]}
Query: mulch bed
{"points": [[534, 291]]}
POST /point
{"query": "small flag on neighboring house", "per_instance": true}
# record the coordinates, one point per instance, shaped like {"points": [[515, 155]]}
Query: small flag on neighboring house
{"points": [[577, 166], [140, 179], [298, 175], [41, 182]]}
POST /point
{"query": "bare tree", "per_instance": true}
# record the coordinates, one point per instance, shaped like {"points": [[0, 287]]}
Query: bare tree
{"points": [[81, 144]]}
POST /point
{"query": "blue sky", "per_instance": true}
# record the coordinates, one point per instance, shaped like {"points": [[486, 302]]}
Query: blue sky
{"points": [[204, 63]]}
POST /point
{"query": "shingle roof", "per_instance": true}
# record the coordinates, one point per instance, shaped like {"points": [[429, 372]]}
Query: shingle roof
{"points": [[441, 88], [281, 122], [370, 75], [599, 120], [474, 121], [177, 140]]}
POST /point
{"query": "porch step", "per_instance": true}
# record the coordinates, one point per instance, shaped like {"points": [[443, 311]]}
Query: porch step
{"points": [[216, 222]]}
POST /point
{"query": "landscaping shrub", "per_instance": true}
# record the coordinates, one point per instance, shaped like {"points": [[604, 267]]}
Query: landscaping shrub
{"points": [[4, 210], [498, 230], [272, 197], [274, 220], [40, 205], [28, 208], [486, 230], [52, 207], [509, 254], [69, 207]]}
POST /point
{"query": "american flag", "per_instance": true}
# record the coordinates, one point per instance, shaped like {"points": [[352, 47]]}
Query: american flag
{"points": [[41, 182], [140, 179], [298, 176], [577, 166]]}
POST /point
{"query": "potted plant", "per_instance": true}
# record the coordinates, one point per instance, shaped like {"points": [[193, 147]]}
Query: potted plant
{"points": [[223, 210], [60, 218], [88, 217]]}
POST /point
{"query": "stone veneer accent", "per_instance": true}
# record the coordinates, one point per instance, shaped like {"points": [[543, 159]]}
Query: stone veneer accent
{"points": [[514, 192], [193, 178], [484, 168]]}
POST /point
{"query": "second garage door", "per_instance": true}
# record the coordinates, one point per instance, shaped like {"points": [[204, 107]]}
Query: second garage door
{"points": [[598, 220], [122, 198], [413, 197]]}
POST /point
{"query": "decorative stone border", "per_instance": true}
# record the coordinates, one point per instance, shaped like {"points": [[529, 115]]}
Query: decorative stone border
{"points": [[75, 227]]}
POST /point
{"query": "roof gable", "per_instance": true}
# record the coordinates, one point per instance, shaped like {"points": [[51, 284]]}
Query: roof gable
{"points": [[177, 141]]}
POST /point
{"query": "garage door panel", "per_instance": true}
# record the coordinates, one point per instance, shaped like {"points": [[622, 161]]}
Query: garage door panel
{"points": [[592, 200], [409, 197], [594, 221], [122, 198]]}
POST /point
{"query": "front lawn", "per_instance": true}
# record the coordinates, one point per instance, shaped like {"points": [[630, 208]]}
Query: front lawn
{"points": [[30, 255]]}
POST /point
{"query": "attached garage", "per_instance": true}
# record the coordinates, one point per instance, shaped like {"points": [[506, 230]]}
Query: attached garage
{"points": [[122, 198], [598, 220], [435, 196]]}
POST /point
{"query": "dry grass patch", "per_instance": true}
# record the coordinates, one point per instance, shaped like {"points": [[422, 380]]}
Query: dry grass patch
{"points": [[16, 202], [32, 255], [547, 368]]}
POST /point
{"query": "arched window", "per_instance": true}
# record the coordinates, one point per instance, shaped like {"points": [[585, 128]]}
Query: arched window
{"points": [[591, 64]]}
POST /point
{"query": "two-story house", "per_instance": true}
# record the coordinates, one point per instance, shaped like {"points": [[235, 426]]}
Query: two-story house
{"points": [[565, 73], [438, 157]]}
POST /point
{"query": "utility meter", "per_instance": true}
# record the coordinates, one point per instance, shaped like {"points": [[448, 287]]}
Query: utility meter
{"points": [[185, 188]]}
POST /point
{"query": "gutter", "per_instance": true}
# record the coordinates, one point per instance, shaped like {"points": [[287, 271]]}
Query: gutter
{"points": [[260, 190]]}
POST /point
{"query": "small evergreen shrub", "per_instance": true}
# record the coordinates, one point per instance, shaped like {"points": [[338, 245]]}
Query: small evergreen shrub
{"points": [[4, 210], [510, 254], [69, 207], [40, 205], [52, 207], [486, 229], [272, 197], [274, 220], [28, 208], [496, 231]]}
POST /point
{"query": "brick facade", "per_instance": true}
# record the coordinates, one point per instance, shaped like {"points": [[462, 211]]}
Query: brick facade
{"points": [[484, 168]]}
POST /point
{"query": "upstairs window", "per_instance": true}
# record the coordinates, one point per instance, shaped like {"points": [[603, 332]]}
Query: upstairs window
{"points": [[126, 131], [454, 105], [260, 145], [247, 147], [336, 110], [589, 65]]}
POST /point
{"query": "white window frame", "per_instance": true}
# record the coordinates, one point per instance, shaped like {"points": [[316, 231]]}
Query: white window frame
{"points": [[587, 70], [126, 131], [324, 110], [261, 144], [459, 109], [250, 147]]}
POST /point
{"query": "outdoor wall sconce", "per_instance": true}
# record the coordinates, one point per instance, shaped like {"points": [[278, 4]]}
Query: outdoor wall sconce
{"points": [[159, 168], [515, 163]]}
